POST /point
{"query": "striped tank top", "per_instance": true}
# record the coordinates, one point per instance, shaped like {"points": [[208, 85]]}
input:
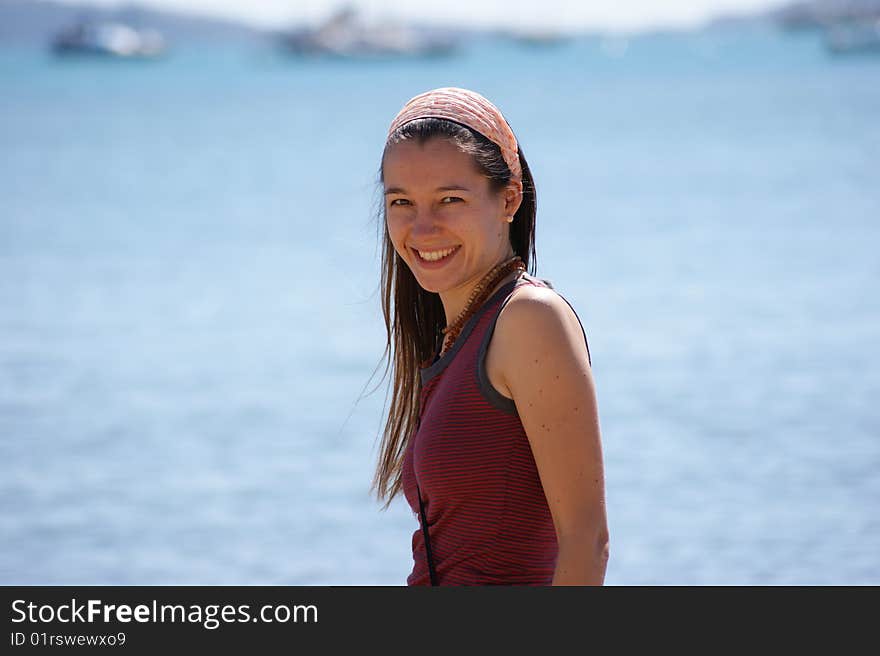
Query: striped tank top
{"points": [[487, 516]]}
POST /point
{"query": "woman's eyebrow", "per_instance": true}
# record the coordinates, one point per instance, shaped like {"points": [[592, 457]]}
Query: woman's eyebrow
{"points": [[400, 190]]}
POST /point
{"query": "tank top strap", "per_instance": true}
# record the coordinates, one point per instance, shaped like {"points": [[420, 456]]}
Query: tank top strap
{"points": [[527, 278], [436, 363], [492, 395]]}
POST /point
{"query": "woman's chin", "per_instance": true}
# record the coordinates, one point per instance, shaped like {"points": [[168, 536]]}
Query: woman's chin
{"points": [[432, 286], [431, 281]]}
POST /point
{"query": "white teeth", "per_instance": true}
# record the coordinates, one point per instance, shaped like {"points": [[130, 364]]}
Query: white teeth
{"points": [[433, 256]]}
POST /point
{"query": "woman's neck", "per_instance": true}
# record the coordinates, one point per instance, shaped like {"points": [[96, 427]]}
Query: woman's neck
{"points": [[459, 310]]}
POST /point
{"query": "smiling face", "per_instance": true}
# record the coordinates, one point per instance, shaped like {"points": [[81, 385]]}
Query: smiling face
{"points": [[443, 217]]}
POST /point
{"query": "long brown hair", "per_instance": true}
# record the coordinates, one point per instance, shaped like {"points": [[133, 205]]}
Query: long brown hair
{"points": [[414, 318]]}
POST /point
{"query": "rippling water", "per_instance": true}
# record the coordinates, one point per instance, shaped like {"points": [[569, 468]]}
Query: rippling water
{"points": [[189, 309]]}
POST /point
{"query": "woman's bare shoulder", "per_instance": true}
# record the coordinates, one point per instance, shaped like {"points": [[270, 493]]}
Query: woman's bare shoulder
{"points": [[535, 312], [537, 324]]}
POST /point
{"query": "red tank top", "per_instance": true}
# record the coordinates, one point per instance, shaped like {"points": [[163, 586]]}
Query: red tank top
{"points": [[487, 515]]}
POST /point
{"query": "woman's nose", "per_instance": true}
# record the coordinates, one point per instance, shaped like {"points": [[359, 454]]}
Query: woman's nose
{"points": [[425, 222]]}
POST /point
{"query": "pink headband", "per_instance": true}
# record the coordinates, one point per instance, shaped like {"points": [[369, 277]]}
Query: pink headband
{"points": [[468, 108]]}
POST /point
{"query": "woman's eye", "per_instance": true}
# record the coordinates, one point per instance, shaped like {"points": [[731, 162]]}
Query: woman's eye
{"points": [[399, 201], [450, 199]]}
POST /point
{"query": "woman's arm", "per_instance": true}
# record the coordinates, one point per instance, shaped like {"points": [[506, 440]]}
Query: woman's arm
{"points": [[544, 364]]}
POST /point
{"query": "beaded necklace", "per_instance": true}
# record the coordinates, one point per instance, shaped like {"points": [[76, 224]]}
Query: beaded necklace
{"points": [[478, 296]]}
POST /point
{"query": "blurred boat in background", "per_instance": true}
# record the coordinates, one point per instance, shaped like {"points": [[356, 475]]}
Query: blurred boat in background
{"points": [[539, 37], [345, 34], [108, 40], [824, 14], [854, 37]]}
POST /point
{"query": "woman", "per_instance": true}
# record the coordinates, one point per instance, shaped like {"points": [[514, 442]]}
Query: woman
{"points": [[493, 430]]}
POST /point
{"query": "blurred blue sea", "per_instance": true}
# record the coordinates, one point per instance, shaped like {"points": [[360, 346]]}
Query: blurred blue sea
{"points": [[189, 309]]}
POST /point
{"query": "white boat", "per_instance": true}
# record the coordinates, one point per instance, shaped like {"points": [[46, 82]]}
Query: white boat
{"points": [[108, 39], [345, 35]]}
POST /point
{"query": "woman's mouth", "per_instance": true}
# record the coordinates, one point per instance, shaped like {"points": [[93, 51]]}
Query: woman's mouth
{"points": [[435, 258]]}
